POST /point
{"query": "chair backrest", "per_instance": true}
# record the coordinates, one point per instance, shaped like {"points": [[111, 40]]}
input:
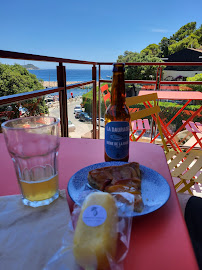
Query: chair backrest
{"points": [[193, 127], [104, 88], [150, 109], [155, 109], [106, 96]]}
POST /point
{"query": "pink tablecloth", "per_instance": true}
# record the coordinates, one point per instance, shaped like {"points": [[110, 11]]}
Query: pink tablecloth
{"points": [[160, 239]]}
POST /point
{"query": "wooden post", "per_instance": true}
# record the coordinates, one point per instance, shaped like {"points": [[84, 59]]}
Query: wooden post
{"points": [[61, 78], [99, 103], [94, 100]]}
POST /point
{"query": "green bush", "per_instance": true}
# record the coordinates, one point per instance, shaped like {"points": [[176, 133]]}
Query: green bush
{"points": [[87, 101], [197, 77], [16, 79]]}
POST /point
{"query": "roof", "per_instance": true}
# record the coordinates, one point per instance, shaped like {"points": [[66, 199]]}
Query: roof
{"points": [[197, 50], [185, 55], [174, 95]]}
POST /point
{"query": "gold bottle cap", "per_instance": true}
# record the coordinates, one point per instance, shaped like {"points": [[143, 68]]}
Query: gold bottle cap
{"points": [[118, 67]]}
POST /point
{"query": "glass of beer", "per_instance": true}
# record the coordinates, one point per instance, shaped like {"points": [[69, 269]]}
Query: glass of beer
{"points": [[33, 144]]}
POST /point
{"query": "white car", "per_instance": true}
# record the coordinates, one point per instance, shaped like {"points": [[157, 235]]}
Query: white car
{"points": [[77, 108], [71, 126], [102, 122]]}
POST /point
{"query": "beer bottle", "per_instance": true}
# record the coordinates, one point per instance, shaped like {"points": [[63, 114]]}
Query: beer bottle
{"points": [[117, 119]]}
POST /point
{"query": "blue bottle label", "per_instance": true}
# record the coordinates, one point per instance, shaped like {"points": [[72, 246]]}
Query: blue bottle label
{"points": [[117, 139]]}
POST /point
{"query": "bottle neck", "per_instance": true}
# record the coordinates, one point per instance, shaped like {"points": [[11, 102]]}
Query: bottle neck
{"points": [[118, 89]]}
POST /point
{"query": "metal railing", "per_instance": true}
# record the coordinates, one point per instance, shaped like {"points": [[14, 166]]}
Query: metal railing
{"points": [[62, 87], [158, 82]]}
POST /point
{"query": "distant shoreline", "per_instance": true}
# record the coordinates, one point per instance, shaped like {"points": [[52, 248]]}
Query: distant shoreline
{"points": [[55, 83], [48, 84]]}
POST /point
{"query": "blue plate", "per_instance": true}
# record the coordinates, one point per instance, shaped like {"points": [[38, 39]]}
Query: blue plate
{"points": [[155, 189]]}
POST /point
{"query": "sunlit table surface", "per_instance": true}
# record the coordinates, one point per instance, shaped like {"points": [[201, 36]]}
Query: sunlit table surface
{"points": [[160, 239]]}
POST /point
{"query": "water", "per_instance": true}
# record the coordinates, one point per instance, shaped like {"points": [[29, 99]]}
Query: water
{"points": [[73, 75]]}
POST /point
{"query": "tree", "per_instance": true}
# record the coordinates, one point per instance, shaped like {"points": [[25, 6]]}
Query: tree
{"points": [[186, 37], [184, 31], [15, 79], [163, 45], [198, 34], [138, 72], [152, 50], [126, 57], [188, 42]]}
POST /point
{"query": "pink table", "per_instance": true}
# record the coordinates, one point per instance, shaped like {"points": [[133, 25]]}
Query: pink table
{"points": [[174, 95], [160, 239]]}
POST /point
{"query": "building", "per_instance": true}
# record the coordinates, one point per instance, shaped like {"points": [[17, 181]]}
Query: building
{"points": [[174, 73]]}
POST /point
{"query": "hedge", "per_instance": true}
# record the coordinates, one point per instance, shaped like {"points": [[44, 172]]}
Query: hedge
{"points": [[87, 103]]}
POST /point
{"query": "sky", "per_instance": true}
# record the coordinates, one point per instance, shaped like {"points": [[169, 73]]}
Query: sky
{"points": [[89, 30]]}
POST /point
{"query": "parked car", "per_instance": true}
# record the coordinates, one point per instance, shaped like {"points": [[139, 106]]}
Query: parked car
{"points": [[102, 122], [71, 126], [78, 113], [77, 108], [22, 110], [84, 117]]}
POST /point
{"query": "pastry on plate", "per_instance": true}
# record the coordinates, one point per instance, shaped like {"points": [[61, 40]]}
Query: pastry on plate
{"points": [[123, 178]]}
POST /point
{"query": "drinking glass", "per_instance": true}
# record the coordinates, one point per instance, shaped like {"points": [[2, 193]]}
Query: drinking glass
{"points": [[33, 144]]}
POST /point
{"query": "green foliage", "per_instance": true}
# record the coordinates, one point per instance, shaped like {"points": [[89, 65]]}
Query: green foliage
{"points": [[127, 57], [188, 42], [88, 103], [152, 50], [15, 79], [197, 77], [198, 33], [163, 45], [138, 72], [169, 110], [184, 31], [186, 37]]}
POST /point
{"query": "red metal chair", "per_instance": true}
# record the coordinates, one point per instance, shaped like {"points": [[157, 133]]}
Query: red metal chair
{"points": [[195, 128], [105, 94]]}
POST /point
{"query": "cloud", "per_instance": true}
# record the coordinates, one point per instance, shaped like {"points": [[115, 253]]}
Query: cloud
{"points": [[157, 30]]}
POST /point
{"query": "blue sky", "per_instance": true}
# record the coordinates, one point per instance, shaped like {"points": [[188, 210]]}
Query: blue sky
{"points": [[89, 29]]}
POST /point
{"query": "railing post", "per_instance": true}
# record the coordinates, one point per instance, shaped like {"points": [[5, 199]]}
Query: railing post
{"points": [[61, 78], [99, 103], [160, 77], [157, 75], [94, 75]]}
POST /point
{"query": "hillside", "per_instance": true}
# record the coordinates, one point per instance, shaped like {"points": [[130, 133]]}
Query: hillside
{"points": [[188, 36], [30, 66]]}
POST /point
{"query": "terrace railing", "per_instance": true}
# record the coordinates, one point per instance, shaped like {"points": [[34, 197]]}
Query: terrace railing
{"points": [[158, 83], [62, 87]]}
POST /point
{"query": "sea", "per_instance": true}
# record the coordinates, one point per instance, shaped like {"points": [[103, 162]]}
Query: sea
{"points": [[72, 75]]}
